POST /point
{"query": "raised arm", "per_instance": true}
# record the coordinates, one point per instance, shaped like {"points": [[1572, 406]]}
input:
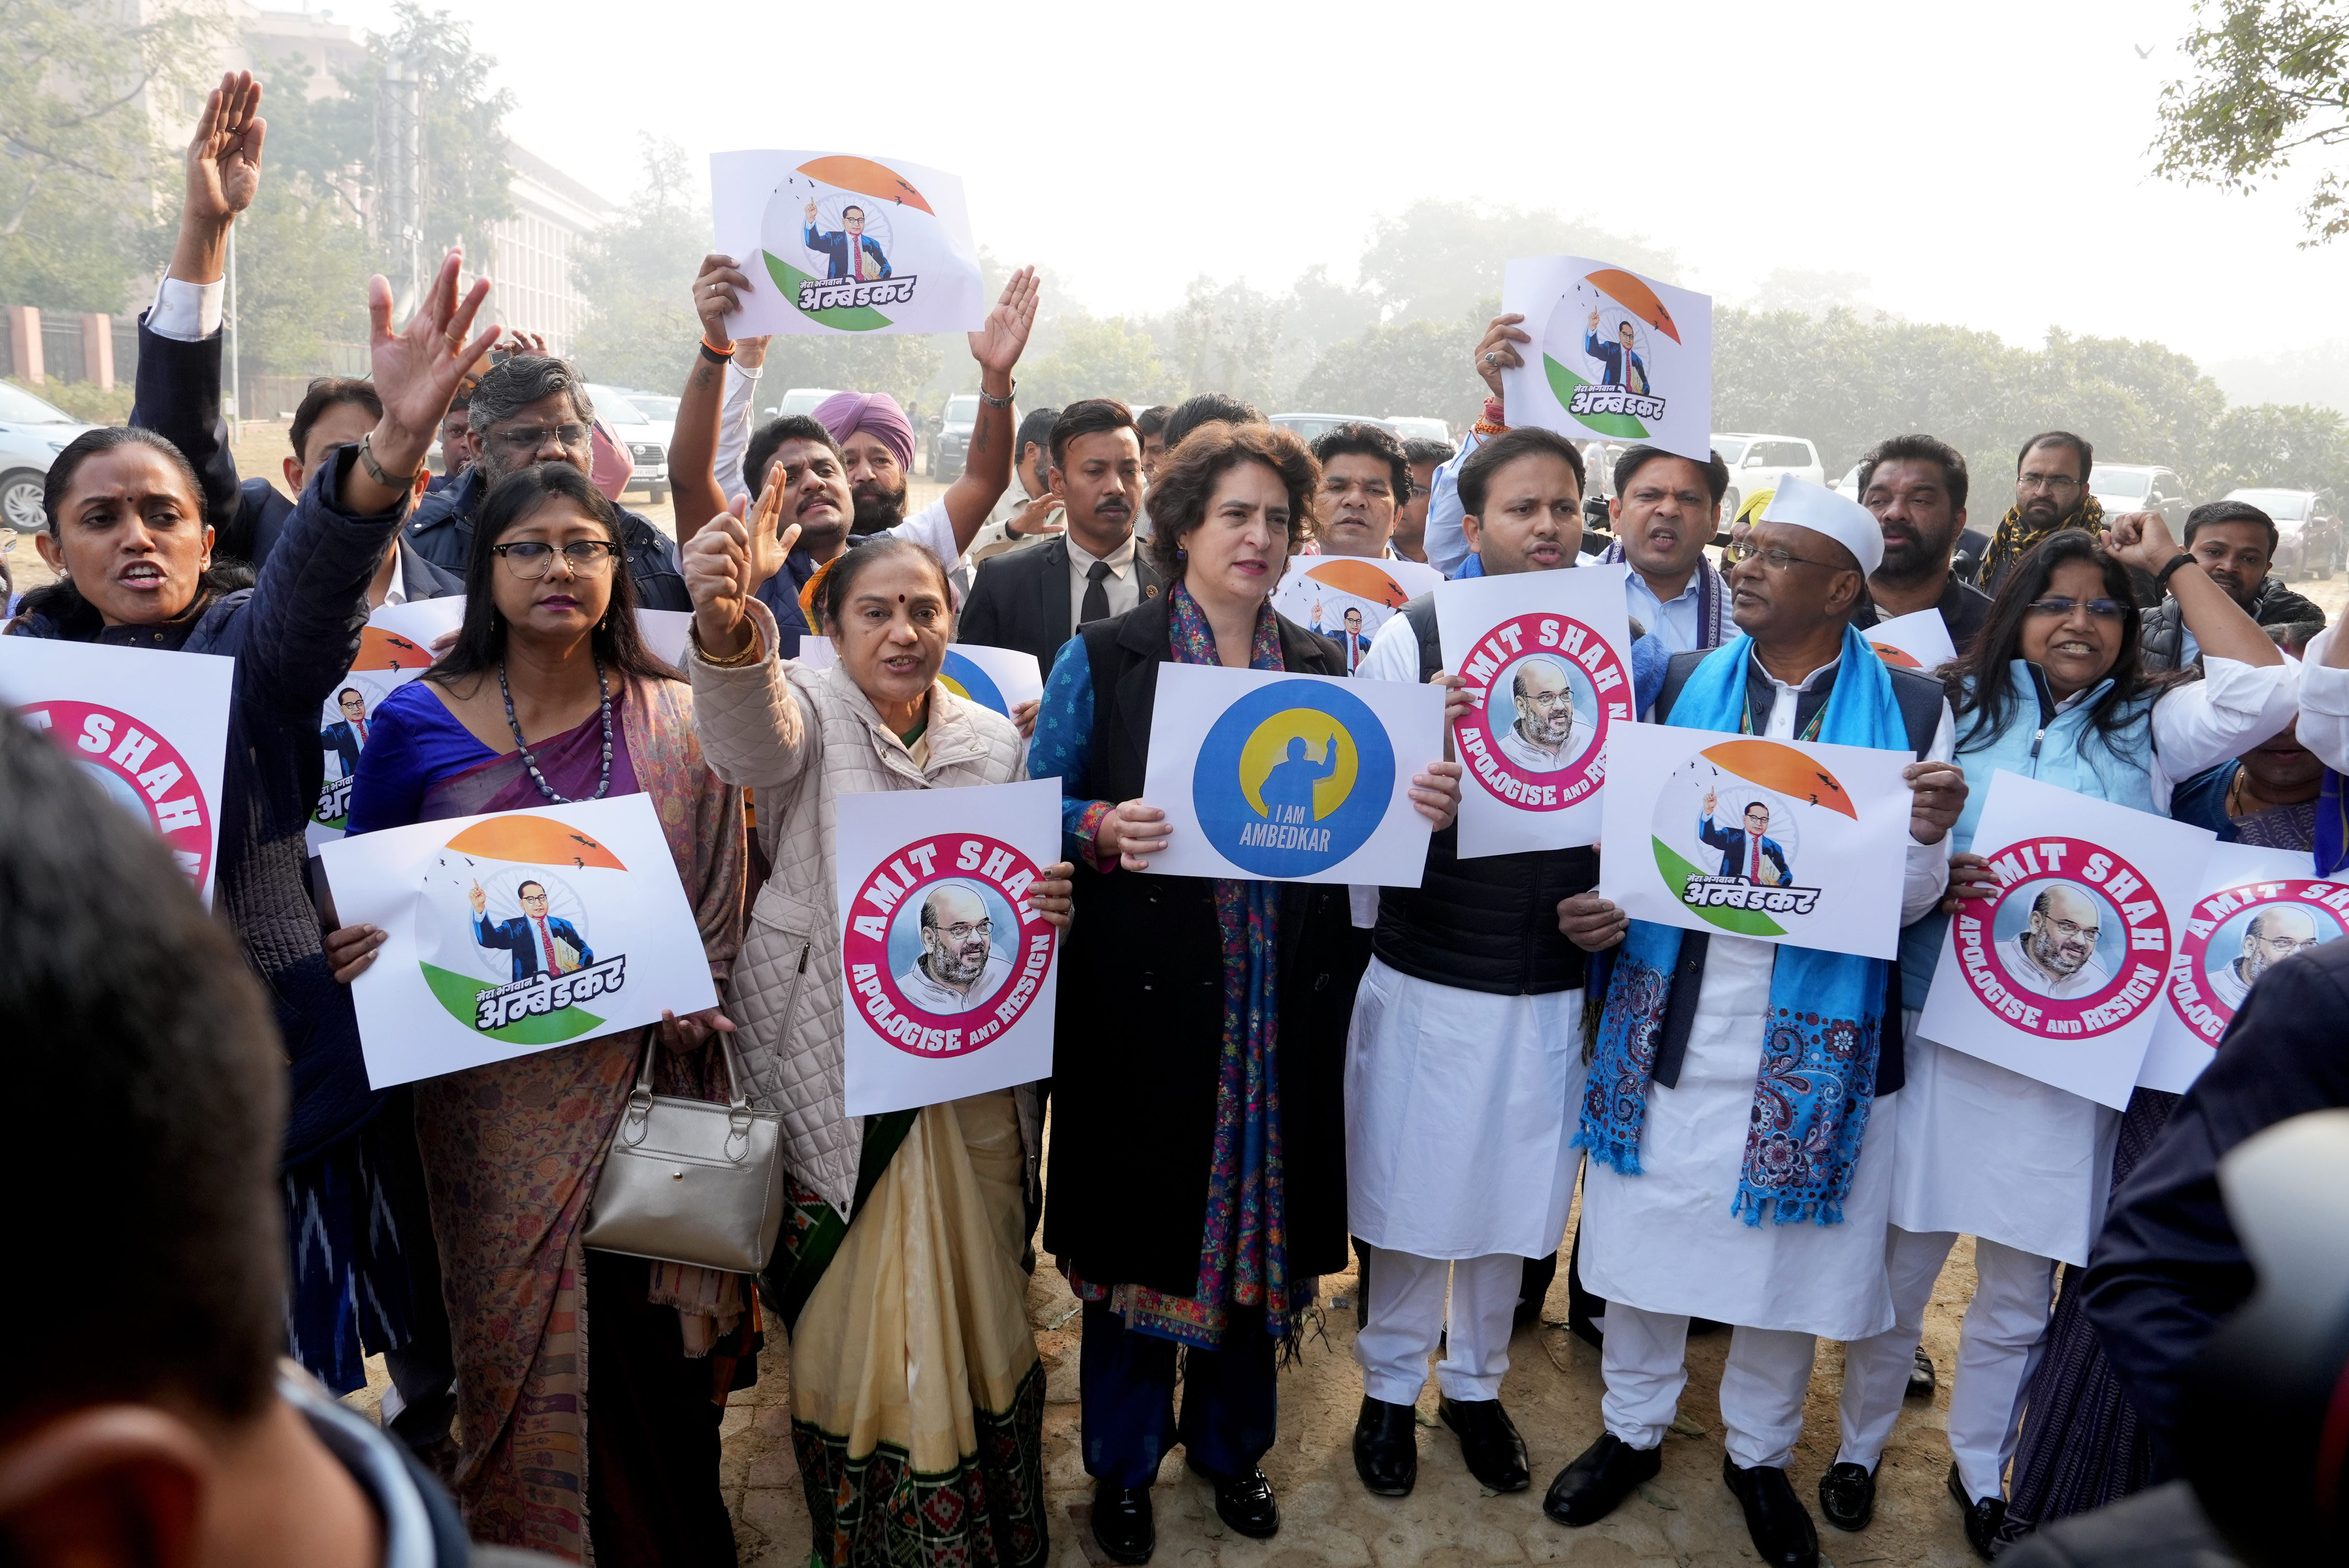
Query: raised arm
{"points": [[754, 728], [997, 347], [2143, 540], [695, 494]]}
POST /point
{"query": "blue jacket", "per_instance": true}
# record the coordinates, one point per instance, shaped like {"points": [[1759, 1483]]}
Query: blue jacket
{"points": [[442, 533], [1730, 842], [293, 635], [517, 936], [834, 244]]}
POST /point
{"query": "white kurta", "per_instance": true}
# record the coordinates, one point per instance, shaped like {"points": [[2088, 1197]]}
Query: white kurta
{"points": [[1460, 1107], [1665, 1240]]}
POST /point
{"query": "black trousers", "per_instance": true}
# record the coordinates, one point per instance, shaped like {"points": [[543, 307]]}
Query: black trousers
{"points": [[652, 1429], [1125, 1384]]}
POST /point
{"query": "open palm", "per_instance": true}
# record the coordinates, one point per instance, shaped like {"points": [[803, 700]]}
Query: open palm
{"points": [[417, 369], [224, 154], [996, 345]]}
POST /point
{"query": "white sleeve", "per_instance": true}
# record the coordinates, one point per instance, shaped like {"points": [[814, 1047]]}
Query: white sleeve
{"points": [[932, 527], [2231, 709], [2324, 706], [186, 312], [1393, 654], [1445, 542], [734, 422], [1926, 874]]}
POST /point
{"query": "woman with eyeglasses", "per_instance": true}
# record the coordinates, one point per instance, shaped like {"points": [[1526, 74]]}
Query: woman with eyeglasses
{"points": [[2054, 690], [549, 696]]}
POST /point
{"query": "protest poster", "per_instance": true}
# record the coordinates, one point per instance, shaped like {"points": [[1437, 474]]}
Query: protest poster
{"points": [[1614, 355], [834, 242], [1786, 841], [150, 728], [1546, 659], [386, 661], [515, 932], [665, 633], [2061, 976], [948, 979], [423, 622], [2256, 908], [996, 678], [1918, 641], [817, 652], [1290, 778], [1347, 599]]}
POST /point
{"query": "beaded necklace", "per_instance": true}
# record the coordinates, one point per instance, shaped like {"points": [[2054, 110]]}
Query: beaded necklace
{"points": [[604, 695]]}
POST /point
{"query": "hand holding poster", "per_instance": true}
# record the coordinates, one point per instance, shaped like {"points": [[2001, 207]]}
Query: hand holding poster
{"points": [[950, 979], [150, 728], [386, 661], [1347, 599], [1918, 641], [1546, 659], [512, 932], [1290, 778], [1614, 355], [2258, 908], [1786, 841], [835, 242], [2061, 976], [998, 679]]}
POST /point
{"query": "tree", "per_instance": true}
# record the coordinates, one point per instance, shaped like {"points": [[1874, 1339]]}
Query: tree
{"points": [[1438, 260], [638, 275], [1097, 358], [302, 273], [1224, 338], [2270, 80], [2294, 448], [1409, 368]]}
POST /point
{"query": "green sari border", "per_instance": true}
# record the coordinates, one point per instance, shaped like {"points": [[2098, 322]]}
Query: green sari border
{"points": [[883, 1135]]}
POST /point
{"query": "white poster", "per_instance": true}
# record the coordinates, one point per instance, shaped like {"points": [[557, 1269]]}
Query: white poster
{"points": [[1919, 641], [1547, 657], [150, 727], [835, 243], [513, 932], [2256, 908], [1614, 355], [2061, 977], [997, 678], [386, 661], [949, 979], [665, 633], [1290, 778], [817, 652], [1347, 599], [424, 621], [1785, 841]]}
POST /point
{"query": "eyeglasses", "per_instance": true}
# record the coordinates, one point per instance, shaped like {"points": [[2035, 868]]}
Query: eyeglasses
{"points": [[1773, 559], [2055, 483], [963, 930], [531, 438], [2056, 603], [531, 559], [2068, 929]]}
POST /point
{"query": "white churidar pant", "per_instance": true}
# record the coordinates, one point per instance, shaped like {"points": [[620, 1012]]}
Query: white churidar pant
{"points": [[1407, 1317], [1763, 1384]]}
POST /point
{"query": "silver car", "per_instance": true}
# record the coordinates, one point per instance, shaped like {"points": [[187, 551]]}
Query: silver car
{"points": [[32, 434]]}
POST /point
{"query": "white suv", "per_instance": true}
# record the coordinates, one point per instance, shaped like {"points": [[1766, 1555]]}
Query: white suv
{"points": [[1756, 462]]}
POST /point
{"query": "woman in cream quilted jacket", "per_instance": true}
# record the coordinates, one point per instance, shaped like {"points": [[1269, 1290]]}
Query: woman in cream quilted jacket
{"points": [[898, 1273]]}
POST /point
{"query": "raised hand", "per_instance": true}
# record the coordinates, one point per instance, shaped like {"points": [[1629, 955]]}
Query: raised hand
{"points": [[1035, 518], [1498, 350], [2139, 539], [996, 345], [417, 369], [224, 153], [478, 900], [1711, 799], [727, 559], [717, 294]]}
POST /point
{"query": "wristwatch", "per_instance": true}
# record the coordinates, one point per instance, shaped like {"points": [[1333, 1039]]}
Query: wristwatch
{"points": [[376, 470]]}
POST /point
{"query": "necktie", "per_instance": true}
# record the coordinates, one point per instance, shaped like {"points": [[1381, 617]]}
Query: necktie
{"points": [[1755, 876], [546, 941], [362, 729], [1096, 603]]}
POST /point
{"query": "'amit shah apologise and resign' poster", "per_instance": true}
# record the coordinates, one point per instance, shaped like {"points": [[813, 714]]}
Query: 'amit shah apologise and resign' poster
{"points": [[949, 981], [1615, 356], [2061, 976], [1786, 841], [1546, 660], [150, 728]]}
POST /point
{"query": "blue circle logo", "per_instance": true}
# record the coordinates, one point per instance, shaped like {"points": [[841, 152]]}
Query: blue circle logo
{"points": [[1293, 778], [964, 677]]}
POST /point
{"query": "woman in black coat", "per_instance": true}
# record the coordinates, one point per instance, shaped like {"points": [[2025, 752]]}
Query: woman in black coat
{"points": [[1198, 1169]]}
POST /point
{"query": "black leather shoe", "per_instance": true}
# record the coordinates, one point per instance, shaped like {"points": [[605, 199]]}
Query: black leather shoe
{"points": [[1245, 1502], [1122, 1523], [1776, 1519], [1847, 1496], [1488, 1441], [1386, 1447], [1601, 1476], [1984, 1515], [1920, 1375]]}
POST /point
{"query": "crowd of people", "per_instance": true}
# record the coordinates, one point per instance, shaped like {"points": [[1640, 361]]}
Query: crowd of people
{"points": [[1256, 1085]]}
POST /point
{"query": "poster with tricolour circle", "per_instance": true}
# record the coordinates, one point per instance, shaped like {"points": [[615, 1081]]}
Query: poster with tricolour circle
{"points": [[948, 978], [148, 728], [515, 932], [1546, 659], [1786, 841], [2256, 908], [1614, 355], [2061, 976], [1290, 778]]}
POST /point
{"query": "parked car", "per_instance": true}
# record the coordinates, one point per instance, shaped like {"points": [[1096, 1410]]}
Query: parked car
{"points": [[647, 439], [2140, 487], [1756, 462], [806, 399], [1310, 428], [950, 442], [1598, 483], [2309, 535], [32, 434], [1848, 485], [1417, 426]]}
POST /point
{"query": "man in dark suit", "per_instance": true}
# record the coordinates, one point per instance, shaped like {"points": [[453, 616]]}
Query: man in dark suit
{"points": [[1746, 851], [848, 251], [1034, 599], [540, 943], [348, 735]]}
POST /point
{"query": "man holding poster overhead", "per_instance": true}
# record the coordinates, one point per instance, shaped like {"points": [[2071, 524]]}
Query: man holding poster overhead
{"points": [[1735, 1170]]}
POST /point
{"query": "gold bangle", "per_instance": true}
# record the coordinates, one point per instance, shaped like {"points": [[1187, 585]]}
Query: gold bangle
{"points": [[753, 654]]}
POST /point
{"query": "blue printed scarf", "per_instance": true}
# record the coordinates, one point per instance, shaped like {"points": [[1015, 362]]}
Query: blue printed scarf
{"points": [[1825, 1014]]}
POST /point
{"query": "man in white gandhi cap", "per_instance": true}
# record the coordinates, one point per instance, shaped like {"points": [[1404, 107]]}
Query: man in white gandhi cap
{"points": [[959, 968]]}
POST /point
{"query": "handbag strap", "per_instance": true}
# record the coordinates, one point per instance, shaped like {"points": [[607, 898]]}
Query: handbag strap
{"points": [[637, 1119]]}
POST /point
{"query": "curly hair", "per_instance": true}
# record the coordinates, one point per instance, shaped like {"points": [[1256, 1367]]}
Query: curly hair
{"points": [[1186, 484]]}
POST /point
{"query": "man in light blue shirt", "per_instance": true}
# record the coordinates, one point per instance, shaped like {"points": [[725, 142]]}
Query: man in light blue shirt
{"points": [[1665, 510]]}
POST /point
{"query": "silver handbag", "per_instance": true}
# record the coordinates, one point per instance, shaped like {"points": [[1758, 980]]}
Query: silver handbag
{"points": [[691, 1181]]}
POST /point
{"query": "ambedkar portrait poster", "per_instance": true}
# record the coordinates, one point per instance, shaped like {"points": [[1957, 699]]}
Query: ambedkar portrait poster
{"points": [[515, 932], [1786, 841], [842, 243], [949, 979], [1546, 660], [148, 728], [1615, 356], [1290, 778], [1347, 599], [386, 661], [2061, 976], [1919, 641]]}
